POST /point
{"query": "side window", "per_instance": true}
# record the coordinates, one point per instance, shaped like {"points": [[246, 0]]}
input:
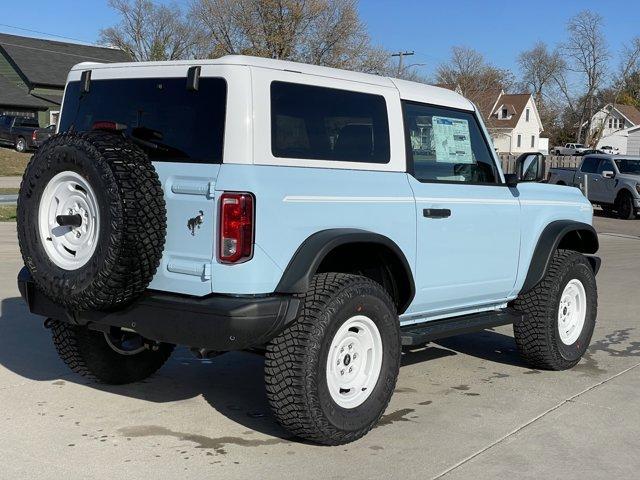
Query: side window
{"points": [[589, 165], [321, 123], [447, 145], [604, 166]]}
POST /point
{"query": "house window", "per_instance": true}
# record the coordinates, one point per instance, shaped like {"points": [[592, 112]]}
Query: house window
{"points": [[533, 141], [611, 123], [620, 123], [505, 113], [519, 144], [527, 116]]}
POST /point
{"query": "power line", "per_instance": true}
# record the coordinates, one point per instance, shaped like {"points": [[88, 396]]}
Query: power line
{"points": [[45, 33], [400, 56]]}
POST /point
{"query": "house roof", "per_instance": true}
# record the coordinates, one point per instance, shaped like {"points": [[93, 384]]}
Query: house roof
{"points": [[14, 96], [485, 100], [630, 112], [515, 103], [47, 62]]}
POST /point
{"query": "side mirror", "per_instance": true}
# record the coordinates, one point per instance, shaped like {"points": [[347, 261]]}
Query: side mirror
{"points": [[511, 179], [608, 174], [531, 167]]}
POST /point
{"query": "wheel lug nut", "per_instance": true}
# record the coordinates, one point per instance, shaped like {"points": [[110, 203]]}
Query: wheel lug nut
{"points": [[342, 372], [355, 355], [341, 349], [350, 369], [350, 346], [338, 362]]}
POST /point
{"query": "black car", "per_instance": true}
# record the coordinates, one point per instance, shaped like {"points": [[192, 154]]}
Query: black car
{"points": [[40, 135], [18, 131], [591, 151]]}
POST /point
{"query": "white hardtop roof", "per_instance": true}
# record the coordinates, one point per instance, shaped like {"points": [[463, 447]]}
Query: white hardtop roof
{"points": [[415, 91]]}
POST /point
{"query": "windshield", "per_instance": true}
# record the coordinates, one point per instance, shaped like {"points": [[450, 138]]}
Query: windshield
{"points": [[626, 165], [170, 122]]}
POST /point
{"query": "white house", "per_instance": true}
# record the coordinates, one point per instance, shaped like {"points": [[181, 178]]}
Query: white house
{"points": [[633, 141], [616, 123], [515, 125]]}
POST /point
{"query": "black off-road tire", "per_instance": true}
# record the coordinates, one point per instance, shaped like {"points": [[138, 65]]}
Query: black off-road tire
{"points": [[132, 223], [537, 335], [87, 353], [625, 207], [295, 365]]}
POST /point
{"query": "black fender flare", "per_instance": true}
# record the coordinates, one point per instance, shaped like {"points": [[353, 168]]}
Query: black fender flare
{"points": [[306, 260], [584, 239]]}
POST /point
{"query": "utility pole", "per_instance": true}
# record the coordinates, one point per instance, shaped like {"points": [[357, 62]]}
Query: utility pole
{"points": [[401, 55]]}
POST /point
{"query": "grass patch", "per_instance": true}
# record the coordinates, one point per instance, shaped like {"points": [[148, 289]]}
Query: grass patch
{"points": [[12, 163], [9, 191], [7, 213]]}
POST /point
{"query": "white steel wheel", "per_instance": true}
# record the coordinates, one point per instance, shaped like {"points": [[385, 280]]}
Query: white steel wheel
{"points": [[354, 361], [69, 246], [572, 311]]}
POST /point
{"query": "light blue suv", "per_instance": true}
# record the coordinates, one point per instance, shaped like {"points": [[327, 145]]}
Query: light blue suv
{"points": [[325, 218]]}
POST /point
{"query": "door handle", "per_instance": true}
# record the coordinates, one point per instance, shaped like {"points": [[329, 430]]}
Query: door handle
{"points": [[436, 212]]}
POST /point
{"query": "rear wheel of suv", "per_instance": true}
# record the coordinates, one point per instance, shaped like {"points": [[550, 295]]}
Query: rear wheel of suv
{"points": [[624, 206], [91, 220], [115, 357], [21, 145], [330, 375], [560, 314]]}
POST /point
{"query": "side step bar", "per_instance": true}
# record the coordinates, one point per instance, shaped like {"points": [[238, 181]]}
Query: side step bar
{"points": [[422, 333]]}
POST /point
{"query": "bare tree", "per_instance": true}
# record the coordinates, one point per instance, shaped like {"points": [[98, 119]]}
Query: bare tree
{"points": [[539, 66], [478, 80], [321, 32], [629, 65], [587, 56], [150, 31]]}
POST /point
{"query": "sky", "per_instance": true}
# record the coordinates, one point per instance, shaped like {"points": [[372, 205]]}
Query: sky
{"points": [[498, 29]]}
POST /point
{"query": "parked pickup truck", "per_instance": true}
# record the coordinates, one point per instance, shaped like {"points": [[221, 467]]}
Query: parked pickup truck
{"points": [[321, 217], [611, 181], [568, 149], [41, 135], [18, 131]]}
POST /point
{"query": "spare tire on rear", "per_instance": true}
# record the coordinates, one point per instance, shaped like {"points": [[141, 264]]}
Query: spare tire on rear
{"points": [[91, 220]]}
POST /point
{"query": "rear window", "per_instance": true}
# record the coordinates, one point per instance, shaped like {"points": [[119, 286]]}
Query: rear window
{"points": [[590, 164], [27, 122], [321, 123], [170, 122]]}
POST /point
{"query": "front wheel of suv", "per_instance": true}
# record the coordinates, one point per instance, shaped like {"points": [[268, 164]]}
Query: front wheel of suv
{"points": [[115, 357], [560, 314], [331, 373]]}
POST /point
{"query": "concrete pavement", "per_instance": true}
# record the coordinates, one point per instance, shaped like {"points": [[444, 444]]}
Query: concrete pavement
{"points": [[465, 407], [10, 182]]}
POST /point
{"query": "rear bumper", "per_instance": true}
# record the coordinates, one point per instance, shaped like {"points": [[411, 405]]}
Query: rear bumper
{"points": [[215, 322]]}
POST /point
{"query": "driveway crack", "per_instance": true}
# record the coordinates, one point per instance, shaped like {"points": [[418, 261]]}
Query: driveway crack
{"points": [[530, 422]]}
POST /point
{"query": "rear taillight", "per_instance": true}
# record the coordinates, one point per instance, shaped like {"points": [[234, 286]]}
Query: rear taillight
{"points": [[108, 125], [33, 136], [235, 240]]}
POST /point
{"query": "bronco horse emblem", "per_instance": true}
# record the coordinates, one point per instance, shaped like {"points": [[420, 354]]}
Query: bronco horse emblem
{"points": [[195, 222]]}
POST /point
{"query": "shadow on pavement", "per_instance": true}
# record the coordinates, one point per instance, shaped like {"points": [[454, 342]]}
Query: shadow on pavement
{"points": [[486, 345], [231, 383]]}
